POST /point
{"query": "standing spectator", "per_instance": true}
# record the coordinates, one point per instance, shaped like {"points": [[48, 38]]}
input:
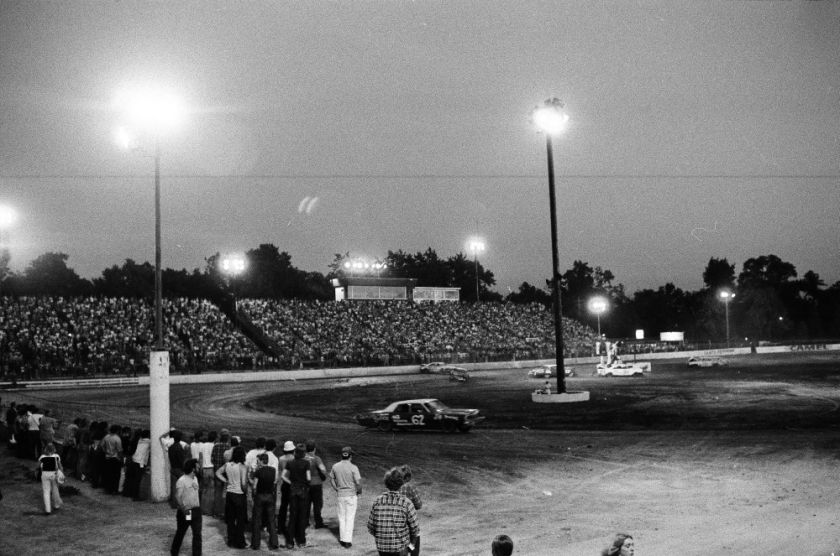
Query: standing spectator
{"points": [[208, 474], [346, 480], [50, 464], [251, 463], [46, 428], [218, 459], [11, 417], [136, 466], [234, 475], [297, 475], [188, 515], [393, 519], [113, 448], [316, 485], [33, 423], [288, 455], [70, 452], [408, 490], [177, 453], [622, 545], [265, 494], [502, 546]]}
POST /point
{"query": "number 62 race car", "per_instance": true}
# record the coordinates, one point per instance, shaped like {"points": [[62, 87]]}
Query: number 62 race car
{"points": [[426, 413]]}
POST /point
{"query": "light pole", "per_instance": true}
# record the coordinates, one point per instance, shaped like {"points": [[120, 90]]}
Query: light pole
{"points": [[476, 246], [8, 217], [598, 305], [551, 119], [726, 296], [151, 111]]}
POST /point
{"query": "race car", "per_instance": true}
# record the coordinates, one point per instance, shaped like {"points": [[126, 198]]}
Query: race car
{"points": [[707, 361], [549, 371], [623, 369], [426, 413], [455, 373]]}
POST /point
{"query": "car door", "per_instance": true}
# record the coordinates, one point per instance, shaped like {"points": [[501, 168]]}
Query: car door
{"points": [[419, 416], [401, 415]]}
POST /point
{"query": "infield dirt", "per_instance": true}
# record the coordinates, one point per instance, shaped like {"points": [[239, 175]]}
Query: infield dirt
{"points": [[739, 460]]}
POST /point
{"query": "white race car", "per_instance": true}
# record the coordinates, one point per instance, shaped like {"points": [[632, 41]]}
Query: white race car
{"points": [[707, 361], [549, 371], [638, 368]]}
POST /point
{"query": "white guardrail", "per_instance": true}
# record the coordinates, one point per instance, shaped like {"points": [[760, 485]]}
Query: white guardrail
{"points": [[362, 372]]}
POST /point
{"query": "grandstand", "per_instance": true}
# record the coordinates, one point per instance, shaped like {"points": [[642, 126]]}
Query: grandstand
{"points": [[45, 337]]}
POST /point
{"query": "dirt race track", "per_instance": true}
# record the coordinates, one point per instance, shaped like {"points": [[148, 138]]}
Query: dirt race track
{"points": [[740, 460]]}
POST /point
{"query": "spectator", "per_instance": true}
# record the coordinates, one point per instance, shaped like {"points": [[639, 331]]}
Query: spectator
{"points": [[234, 475], [188, 515], [408, 490], [622, 545], [347, 483], [297, 475], [393, 519], [49, 464], [502, 546], [316, 486], [265, 493]]}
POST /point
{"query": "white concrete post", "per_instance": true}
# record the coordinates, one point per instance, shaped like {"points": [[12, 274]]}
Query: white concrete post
{"points": [[159, 422]]}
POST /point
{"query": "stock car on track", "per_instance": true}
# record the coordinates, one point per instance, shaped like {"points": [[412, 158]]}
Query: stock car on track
{"points": [[456, 373], [425, 413], [707, 361], [623, 369], [549, 371]]}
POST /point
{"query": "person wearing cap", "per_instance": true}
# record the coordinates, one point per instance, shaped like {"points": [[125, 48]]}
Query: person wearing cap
{"points": [[346, 480], [288, 455], [298, 477], [393, 519]]}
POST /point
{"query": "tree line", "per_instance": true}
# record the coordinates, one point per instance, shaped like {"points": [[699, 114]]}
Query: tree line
{"points": [[771, 301]]}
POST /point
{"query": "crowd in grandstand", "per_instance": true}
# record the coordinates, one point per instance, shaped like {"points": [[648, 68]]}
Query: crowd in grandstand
{"points": [[68, 337]]}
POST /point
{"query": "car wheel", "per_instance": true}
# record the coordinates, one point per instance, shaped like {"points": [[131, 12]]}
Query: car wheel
{"points": [[464, 428], [385, 426], [449, 426], [609, 375]]}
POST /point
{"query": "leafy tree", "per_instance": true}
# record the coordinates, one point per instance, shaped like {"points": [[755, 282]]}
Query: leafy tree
{"points": [[129, 280], [529, 294], [49, 274], [719, 274], [661, 310]]}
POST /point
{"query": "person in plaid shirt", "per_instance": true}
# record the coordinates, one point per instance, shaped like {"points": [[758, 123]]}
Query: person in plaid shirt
{"points": [[393, 519]]}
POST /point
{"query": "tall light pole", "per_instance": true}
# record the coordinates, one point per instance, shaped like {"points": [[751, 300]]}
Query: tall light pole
{"points": [[551, 119], [149, 112], [476, 246], [598, 305], [726, 296]]}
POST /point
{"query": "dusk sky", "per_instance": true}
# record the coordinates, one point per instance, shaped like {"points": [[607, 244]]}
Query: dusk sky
{"points": [[697, 130]]}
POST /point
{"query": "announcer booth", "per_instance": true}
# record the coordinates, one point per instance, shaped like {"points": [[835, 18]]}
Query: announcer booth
{"points": [[351, 288]]}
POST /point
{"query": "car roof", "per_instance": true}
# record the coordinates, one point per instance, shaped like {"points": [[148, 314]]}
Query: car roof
{"points": [[419, 400]]}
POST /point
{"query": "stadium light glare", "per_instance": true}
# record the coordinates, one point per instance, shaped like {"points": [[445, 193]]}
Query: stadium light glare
{"points": [[598, 305], [150, 108], [550, 117], [233, 265], [8, 217], [476, 245]]}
